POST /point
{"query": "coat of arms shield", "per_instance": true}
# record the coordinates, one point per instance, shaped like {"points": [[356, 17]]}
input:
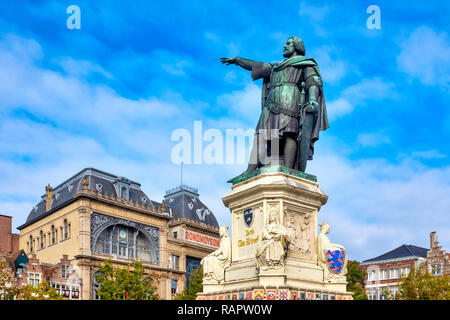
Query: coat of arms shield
{"points": [[335, 259], [248, 216]]}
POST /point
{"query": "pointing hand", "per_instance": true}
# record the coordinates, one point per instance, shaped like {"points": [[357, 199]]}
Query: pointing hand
{"points": [[228, 61]]}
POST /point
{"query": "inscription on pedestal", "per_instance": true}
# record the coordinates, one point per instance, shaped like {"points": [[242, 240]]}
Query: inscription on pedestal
{"points": [[247, 226], [250, 238]]}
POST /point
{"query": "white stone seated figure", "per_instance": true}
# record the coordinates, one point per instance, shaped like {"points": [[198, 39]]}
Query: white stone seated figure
{"points": [[216, 262], [271, 251], [323, 245]]}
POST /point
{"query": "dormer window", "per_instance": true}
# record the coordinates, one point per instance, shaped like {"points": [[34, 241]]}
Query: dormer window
{"points": [[124, 193], [122, 186]]}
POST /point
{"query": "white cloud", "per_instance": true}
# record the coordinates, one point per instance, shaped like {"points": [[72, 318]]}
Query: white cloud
{"points": [[358, 95], [243, 103], [331, 69], [373, 139], [369, 88], [81, 68], [425, 55], [338, 108], [71, 101], [428, 154], [211, 36], [316, 16]]}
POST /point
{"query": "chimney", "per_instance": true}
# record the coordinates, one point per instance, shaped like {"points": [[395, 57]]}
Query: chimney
{"points": [[48, 197], [433, 240]]}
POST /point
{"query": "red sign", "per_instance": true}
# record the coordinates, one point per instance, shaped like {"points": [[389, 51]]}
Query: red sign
{"points": [[200, 238]]}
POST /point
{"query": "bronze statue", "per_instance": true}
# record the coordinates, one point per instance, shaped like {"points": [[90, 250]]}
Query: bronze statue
{"points": [[293, 108]]}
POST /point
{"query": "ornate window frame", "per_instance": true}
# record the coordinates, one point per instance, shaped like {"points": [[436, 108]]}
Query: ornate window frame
{"points": [[99, 222]]}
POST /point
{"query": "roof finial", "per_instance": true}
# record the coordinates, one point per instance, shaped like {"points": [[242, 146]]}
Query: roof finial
{"points": [[48, 197]]}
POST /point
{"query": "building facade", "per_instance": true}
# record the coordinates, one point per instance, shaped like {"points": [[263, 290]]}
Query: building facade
{"points": [[438, 260], [94, 216], [385, 272]]}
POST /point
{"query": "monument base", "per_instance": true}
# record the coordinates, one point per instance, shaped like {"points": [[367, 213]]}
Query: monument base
{"points": [[295, 200]]}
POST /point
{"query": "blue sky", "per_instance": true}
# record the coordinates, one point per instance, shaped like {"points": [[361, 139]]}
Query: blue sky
{"points": [[110, 95]]}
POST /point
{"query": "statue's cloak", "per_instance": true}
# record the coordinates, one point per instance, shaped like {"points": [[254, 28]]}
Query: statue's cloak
{"points": [[264, 70]]}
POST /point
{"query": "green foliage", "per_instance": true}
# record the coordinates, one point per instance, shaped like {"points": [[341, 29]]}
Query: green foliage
{"points": [[125, 284], [6, 291], [355, 280], [43, 292], [421, 285], [195, 286]]}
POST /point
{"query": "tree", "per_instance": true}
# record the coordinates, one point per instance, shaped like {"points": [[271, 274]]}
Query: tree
{"points": [[42, 292], [421, 285], [355, 279], [125, 284], [6, 288], [195, 286]]}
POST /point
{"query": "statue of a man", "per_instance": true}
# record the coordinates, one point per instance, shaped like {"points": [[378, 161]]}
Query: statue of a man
{"points": [[271, 251], [294, 240], [216, 262], [305, 228], [293, 108]]}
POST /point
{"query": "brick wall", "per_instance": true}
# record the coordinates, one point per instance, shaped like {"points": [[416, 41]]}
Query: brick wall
{"points": [[9, 242]]}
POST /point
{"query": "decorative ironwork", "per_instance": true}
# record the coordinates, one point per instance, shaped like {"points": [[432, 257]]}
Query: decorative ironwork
{"points": [[100, 222]]}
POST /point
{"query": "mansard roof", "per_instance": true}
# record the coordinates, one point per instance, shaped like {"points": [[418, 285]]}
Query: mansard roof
{"points": [[402, 252], [184, 202], [99, 181]]}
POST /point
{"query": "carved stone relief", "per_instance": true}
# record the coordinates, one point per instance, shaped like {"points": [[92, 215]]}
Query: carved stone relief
{"points": [[299, 226]]}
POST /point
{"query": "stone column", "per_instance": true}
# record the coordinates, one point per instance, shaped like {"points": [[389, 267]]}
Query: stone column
{"points": [[84, 270], [85, 231], [164, 256]]}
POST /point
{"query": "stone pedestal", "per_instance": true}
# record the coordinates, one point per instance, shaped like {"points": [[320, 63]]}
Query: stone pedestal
{"points": [[297, 201]]}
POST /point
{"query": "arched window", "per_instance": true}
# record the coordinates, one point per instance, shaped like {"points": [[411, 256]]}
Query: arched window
{"points": [[124, 193], [95, 287], [125, 242], [41, 233], [53, 234], [66, 229]]}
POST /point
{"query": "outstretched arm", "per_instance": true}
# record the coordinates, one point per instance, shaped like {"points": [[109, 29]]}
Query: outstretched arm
{"points": [[244, 63], [258, 69]]}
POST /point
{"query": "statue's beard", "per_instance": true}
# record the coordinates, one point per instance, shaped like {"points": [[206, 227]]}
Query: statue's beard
{"points": [[288, 54]]}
